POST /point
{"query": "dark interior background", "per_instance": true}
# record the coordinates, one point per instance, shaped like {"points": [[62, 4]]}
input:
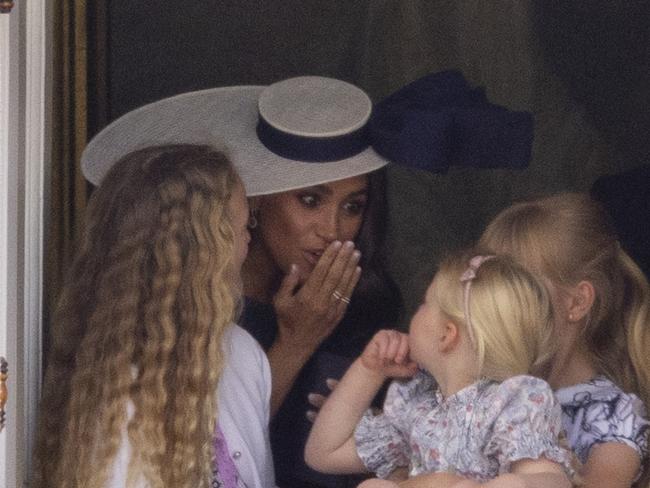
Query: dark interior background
{"points": [[581, 67]]}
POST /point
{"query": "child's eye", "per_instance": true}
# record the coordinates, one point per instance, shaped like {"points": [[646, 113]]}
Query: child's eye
{"points": [[355, 207], [309, 200]]}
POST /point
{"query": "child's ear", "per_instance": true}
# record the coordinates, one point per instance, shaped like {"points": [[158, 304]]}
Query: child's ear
{"points": [[448, 337], [581, 299]]}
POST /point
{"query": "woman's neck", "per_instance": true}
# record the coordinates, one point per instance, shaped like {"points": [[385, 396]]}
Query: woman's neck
{"points": [[571, 367], [260, 274]]}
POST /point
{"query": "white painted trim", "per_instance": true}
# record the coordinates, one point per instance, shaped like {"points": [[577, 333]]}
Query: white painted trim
{"points": [[4, 183], [25, 154], [38, 111], [10, 223]]}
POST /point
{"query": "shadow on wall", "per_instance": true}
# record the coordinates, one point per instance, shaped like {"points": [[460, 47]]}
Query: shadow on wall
{"points": [[625, 196], [600, 51], [581, 68]]}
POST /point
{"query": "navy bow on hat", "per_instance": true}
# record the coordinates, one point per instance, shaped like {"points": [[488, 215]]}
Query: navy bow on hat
{"points": [[438, 121]]}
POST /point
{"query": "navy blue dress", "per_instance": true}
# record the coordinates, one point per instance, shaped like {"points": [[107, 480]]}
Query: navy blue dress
{"points": [[290, 426]]}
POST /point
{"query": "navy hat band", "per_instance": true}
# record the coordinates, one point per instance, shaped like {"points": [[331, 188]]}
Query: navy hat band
{"points": [[312, 149]]}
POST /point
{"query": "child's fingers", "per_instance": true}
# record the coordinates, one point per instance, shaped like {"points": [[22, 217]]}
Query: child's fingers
{"points": [[370, 355], [403, 350], [383, 350], [393, 346], [311, 415], [383, 340]]}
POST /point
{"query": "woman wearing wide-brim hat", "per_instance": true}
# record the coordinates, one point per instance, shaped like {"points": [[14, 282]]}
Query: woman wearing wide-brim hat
{"points": [[317, 221], [315, 279]]}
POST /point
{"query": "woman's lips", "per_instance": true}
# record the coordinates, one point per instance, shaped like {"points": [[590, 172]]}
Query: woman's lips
{"points": [[312, 257]]}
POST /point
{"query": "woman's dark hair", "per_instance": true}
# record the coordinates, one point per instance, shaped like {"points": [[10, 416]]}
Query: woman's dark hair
{"points": [[376, 301]]}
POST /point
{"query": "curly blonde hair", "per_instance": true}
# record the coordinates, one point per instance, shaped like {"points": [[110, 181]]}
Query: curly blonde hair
{"points": [[511, 316], [136, 338]]}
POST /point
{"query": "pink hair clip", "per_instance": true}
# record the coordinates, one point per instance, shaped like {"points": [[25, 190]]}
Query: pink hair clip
{"points": [[466, 278]]}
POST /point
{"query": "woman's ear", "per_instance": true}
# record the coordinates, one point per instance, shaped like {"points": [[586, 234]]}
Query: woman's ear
{"points": [[254, 203], [253, 212], [581, 299]]}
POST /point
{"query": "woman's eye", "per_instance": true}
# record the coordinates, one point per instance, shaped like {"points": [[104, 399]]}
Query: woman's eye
{"points": [[309, 200], [355, 207]]}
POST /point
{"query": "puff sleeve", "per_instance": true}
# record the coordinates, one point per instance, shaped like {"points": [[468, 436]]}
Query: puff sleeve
{"points": [[382, 440], [527, 425], [620, 418]]}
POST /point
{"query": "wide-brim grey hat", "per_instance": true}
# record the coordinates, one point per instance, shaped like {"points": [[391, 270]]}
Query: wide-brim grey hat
{"points": [[313, 130]]}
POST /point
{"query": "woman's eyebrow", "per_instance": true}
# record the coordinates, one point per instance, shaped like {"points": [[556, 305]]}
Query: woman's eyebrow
{"points": [[359, 193], [319, 189], [327, 190]]}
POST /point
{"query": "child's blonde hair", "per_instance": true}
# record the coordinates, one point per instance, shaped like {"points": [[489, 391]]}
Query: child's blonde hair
{"points": [[568, 238], [510, 314]]}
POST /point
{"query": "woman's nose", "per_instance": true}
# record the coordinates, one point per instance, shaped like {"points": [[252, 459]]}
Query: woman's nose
{"points": [[328, 226]]}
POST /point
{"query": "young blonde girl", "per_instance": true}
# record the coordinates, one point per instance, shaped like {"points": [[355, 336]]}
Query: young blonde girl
{"points": [[601, 372], [471, 411]]}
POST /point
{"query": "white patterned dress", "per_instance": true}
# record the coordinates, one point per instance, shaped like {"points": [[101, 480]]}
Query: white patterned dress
{"points": [[476, 433], [598, 411]]}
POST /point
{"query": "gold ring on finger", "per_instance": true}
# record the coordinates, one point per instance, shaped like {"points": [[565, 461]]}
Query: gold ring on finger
{"points": [[337, 294]]}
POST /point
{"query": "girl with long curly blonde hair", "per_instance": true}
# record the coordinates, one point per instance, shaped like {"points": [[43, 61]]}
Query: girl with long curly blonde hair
{"points": [[138, 342]]}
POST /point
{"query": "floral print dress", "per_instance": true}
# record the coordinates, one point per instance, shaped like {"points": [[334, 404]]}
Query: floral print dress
{"points": [[476, 433]]}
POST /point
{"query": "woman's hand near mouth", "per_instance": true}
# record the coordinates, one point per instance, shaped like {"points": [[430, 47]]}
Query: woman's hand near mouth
{"points": [[307, 315]]}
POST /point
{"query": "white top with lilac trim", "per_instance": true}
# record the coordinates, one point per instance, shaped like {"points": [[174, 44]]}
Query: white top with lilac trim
{"points": [[243, 398]]}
